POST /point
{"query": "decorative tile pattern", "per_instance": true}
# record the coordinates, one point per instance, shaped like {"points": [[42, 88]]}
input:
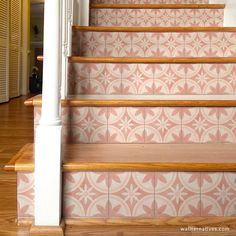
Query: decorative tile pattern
{"points": [[137, 194], [89, 125], [218, 192], [131, 194], [25, 195], [153, 125], [177, 194], [157, 17], [150, 1], [153, 79], [126, 125], [156, 44], [85, 194]]}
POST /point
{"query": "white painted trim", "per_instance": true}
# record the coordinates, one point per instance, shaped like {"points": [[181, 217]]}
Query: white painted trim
{"points": [[48, 176], [48, 134], [229, 12], [82, 9], [67, 23]]}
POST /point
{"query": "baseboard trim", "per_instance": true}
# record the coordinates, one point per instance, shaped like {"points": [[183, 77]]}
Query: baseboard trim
{"points": [[160, 221], [48, 230]]}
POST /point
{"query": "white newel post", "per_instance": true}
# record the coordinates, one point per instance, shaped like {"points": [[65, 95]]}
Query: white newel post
{"points": [[48, 134]]}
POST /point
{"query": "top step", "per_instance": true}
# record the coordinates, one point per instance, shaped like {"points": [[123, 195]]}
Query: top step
{"points": [[150, 1], [162, 15]]}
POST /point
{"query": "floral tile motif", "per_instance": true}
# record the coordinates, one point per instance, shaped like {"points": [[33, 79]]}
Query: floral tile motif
{"points": [[218, 194], [154, 79], [157, 17], [200, 125], [85, 194], [150, 1], [162, 125], [89, 125], [137, 194], [152, 125], [131, 194], [126, 125], [156, 44], [25, 195], [177, 194], [227, 125]]}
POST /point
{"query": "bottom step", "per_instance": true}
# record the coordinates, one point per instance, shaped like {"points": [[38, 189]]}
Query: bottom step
{"points": [[138, 184]]}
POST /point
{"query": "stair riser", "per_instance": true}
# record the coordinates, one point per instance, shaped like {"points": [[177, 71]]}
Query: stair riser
{"points": [[150, 1], [152, 79], [158, 44], [157, 17], [155, 194], [147, 125]]}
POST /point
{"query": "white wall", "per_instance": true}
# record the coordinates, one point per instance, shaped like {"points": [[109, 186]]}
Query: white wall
{"points": [[230, 11]]}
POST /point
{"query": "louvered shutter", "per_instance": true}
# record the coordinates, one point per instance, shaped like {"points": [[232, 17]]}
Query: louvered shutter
{"points": [[15, 48], [4, 30]]}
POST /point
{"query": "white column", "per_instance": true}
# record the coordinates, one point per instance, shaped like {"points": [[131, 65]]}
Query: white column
{"points": [[67, 23], [48, 134]]}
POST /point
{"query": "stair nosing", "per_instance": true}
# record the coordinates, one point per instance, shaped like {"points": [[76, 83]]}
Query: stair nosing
{"points": [[152, 29], [25, 158], [101, 102], [157, 6], [161, 60]]}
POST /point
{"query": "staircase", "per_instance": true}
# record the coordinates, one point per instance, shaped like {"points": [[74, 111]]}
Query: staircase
{"points": [[149, 124]]}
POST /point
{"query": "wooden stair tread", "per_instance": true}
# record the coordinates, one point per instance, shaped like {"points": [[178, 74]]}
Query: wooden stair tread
{"points": [[142, 101], [168, 60], [157, 6], [148, 157], [152, 29], [162, 60]]}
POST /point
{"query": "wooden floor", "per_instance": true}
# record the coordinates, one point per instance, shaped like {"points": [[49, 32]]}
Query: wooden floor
{"points": [[16, 129]]}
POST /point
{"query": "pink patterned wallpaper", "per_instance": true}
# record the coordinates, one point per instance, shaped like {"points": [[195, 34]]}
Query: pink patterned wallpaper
{"points": [[148, 125], [153, 125], [157, 17], [25, 195], [138, 194], [157, 44], [152, 79]]}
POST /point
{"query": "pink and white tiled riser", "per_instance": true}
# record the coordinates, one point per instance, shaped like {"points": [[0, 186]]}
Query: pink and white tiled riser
{"points": [[148, 125], [152, 79], [156, 44], [138, 194], [157, 17]]}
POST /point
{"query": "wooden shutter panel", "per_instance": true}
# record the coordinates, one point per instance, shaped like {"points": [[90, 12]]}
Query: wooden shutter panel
{"points": [[15, 48], [4, 32]]}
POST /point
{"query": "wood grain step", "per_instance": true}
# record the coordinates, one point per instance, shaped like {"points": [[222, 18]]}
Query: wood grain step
{"points": [[78, 59], [136, 157], [152, 29], [142, 101], [157, 6]]}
